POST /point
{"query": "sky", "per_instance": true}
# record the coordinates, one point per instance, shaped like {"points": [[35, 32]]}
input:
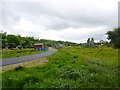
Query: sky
{"points": [[67, 20]]}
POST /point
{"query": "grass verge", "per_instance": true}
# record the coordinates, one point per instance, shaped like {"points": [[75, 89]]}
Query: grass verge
{"points": [[18, 53]]}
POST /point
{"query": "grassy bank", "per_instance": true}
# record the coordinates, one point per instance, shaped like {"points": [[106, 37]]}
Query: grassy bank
{"points": [[70, 67], [18, 53]]}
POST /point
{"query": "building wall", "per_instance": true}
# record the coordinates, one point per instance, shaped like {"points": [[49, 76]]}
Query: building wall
{"points": [[38, 46]]}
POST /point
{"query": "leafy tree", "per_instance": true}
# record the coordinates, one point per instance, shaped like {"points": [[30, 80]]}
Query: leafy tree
{"points": [[92, 40], [114, 37], [13, 41], [3, 39], [26, 42], [88, 41]]}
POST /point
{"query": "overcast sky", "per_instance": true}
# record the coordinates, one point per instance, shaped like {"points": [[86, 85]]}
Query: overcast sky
{"points": [[68, 20]]}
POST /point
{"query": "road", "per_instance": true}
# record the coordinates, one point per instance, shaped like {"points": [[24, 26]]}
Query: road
{"points": [[8, 61]]}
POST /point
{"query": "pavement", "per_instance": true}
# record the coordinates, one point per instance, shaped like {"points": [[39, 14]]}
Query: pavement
{"points": [[7, 61]]}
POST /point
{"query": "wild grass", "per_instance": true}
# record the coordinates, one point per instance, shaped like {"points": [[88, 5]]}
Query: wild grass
{"points": [[70, 67], [18, 53]]}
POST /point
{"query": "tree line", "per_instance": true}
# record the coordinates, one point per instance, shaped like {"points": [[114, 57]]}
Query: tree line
{"points": [[113, 36], [11, 41]]}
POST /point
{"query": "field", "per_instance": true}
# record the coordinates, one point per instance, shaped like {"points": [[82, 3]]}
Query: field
{"points": [[18, 53], [70, 67]]}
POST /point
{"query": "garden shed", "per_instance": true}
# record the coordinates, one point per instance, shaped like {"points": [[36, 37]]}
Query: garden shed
{"points": [[37, 46]]}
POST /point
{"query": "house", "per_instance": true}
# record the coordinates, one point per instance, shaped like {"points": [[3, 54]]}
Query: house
{"points": [[38, 46], [59, 45]]}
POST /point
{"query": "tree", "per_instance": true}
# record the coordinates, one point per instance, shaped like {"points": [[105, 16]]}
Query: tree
{"points": [[13, 41], [101, 41], [3, 39], [114, 37], [92, 40], [88, 41]]}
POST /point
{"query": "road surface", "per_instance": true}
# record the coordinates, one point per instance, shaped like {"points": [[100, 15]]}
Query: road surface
{"points": [[8, 61]]}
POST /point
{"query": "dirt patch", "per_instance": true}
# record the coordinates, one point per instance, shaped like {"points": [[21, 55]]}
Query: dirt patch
{"points": [[27, 64]]}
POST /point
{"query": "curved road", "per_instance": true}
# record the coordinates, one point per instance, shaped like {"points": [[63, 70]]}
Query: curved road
{"points": [[7, 61]]}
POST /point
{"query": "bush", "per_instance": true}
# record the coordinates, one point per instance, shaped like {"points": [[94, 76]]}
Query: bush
{"points": [[114, 36], [19, 68]]}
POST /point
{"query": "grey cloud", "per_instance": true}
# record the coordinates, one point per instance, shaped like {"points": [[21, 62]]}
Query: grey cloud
{"points": [[83, 38], [59, 16], [73, 17]]}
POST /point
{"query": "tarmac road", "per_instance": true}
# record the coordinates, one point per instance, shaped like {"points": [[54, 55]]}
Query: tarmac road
{"points": [[8, 61]]}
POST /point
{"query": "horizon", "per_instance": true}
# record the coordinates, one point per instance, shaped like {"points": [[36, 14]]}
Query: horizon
{"points": [[53, 39]]}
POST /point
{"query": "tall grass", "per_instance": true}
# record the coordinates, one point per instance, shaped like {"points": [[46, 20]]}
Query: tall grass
{"points": [[70, 67]]}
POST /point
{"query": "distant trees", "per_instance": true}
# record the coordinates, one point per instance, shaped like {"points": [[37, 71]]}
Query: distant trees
{"points": [[12, 41], [90, 40], [104, 43], [4, 39], [114, 37]]}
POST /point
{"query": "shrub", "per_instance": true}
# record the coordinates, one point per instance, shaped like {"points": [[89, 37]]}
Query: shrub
{"points": [[19, 68]]}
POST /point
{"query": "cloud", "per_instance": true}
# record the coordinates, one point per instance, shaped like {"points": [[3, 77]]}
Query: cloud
{"points": [[82, 34], [72, 20]]}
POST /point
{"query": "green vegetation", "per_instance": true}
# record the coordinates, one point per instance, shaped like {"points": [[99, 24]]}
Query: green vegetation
{"points": [[114, 36], [16, 45], [17, 53], [70, 67], [12, 41]]}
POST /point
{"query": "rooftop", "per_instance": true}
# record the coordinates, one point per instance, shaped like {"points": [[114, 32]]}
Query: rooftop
{"points": [[38, 44]]}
